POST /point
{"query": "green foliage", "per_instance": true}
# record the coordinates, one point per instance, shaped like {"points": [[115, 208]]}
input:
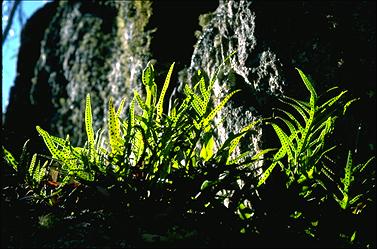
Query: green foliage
{"points": [[350, 171], [303, 144], [172, 158], [303, 129], [10, 159], [151, 146]]}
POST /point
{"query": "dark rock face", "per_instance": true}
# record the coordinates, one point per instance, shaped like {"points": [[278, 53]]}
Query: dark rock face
{"points": [[86, 46], [21, 116], [82, 47], [71, 48], [334, 43]]}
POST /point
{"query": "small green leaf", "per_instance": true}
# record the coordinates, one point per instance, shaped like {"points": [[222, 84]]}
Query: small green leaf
{"points": [[207, 150], [10, 159], [353, 237], [50, 144], [307, 83], [114, 128], [279, 155], [32, 165], [89, 123], [213, 113], [243, 131], [284, 140], [121, 106], [347, 175], [207, 184], [162, 94], [148, 75]]}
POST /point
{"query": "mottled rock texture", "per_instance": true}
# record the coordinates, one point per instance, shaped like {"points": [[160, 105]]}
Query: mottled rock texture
{"points": [[83, 47], [334, 43], [70, 48]]}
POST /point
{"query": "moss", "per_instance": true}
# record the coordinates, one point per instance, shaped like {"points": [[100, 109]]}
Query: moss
{"points": [[204, 19]]}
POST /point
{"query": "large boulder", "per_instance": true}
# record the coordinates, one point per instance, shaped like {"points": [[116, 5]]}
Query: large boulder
{"points": [[69, 49]]}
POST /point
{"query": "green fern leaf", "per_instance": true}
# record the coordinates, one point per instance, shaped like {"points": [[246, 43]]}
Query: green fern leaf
{"points": [[203, 90], [284, 140], [301, 109], [140, 101], [148, 75], [348, 172], [32, 165], [348, 104], [10, 159], [121, 106], [188, 91], [50, 144], [308, 84], [266, 174], [366, 164], [89, 123], [198, 105], [207, 150], [24, 156], [114, 128], [291, 117], [163, 91], [278, 156], [213, 113], [40, 172], [243, 131], [331, 101]]}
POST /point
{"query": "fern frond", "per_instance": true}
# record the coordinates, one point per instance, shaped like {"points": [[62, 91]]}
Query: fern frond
{"points": [[278, 156], [213, 113], [163, 92], [57, 154], [299, 107], [307, 83], [366, 164], [89, 122], [114, 128], [243, 131], [10, 159], [148, 75], [348, 104], [331, 101], [285, 141], [348, 172], [32, 165], [121, 106]]}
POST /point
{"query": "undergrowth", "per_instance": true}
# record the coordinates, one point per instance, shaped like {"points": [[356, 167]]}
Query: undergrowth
{"points": [[166, 176]]}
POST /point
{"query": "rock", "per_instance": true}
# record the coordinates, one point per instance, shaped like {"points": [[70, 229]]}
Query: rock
{"points": [[70, 48], [77, 47], [332, 42]]}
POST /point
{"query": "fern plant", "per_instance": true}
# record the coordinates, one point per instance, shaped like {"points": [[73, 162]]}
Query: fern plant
{"points": [[152, 147], [350, 172], [303, 139], [35, 175], [303, 129]]}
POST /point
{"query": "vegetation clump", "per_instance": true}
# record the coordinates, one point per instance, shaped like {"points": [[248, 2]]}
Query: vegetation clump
{"points": [[164, 179]]}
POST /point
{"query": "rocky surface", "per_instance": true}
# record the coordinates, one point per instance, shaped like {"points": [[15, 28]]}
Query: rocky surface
{"points": [[70, 48], [332, 42], [82, 47]]}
